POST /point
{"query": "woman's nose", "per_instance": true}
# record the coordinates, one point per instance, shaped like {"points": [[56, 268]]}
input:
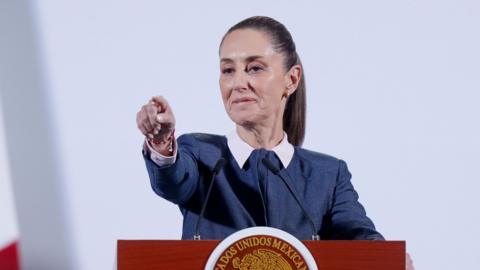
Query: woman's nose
{"points": [[240, 81]]}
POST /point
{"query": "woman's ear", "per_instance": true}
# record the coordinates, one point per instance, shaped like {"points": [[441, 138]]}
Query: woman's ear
{"points": [[292, 79]]}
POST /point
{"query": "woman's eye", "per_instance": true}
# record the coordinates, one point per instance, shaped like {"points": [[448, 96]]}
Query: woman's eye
{"points": [[255, 69], [227, 70]]}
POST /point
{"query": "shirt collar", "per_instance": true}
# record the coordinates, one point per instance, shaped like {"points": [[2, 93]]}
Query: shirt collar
{"points": [[241, 150]]}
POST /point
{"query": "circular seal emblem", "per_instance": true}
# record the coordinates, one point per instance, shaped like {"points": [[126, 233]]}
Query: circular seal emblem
{"points": [[261, 248]]}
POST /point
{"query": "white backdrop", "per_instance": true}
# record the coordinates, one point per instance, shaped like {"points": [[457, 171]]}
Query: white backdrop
{"points": [[392, 87], [8, 226]]}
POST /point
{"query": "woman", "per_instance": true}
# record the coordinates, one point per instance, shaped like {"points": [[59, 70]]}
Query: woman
{"points": [[263, 90]]}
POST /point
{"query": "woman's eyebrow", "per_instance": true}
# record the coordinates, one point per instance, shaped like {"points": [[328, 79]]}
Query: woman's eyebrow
{"points": [[247, 59], [226, 60], [252, 58]]}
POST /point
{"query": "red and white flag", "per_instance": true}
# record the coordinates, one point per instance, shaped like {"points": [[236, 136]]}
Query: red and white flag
{"points": [[9, 259]]}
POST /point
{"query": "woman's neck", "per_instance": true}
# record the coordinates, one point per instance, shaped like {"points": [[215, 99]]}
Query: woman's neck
{"points": [[261, 136]]}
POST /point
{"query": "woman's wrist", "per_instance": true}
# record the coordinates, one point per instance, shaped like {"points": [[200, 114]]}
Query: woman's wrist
{"points": [[164, 145]]}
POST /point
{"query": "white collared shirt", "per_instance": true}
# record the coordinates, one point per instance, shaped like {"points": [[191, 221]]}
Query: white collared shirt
{"points": [[240, 150]]}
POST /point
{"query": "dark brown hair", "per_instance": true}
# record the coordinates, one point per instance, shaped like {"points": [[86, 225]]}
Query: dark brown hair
{"points": [[282, 42]]}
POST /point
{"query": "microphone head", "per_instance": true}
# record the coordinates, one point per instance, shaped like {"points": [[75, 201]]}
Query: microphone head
{"points": [[270, 166], [219, 165]]}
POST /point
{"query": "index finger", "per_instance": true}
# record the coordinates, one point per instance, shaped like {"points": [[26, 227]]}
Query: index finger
{"points": [[161, 102]]}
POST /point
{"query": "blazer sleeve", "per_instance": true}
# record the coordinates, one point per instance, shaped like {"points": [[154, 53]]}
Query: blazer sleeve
{"points": [[176, 182], [349, 220]]}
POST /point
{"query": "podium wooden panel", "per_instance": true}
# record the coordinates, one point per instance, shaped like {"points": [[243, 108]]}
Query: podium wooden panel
{"points": [[191, 255]]}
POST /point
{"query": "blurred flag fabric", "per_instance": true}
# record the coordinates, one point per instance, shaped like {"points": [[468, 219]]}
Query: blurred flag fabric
{"points": [[9, 259]]}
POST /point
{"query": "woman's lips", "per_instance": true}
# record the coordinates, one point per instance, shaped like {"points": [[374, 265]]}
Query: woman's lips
{"points": [[243, 100]]}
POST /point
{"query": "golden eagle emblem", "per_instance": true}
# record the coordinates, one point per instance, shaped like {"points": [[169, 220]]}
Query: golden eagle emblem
{"points": [[261, 259]]}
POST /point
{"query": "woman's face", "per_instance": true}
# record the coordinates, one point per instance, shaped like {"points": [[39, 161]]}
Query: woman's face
{"points": [[253, 79]]}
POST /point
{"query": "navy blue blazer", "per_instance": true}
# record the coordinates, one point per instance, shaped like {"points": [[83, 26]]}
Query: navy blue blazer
{"points": [[249, 196]]}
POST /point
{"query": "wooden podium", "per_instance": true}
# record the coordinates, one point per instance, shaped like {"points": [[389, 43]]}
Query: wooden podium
{"points": [[193, 254]]}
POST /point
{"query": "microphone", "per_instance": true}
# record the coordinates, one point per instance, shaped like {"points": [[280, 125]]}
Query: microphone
{"points": [[277, 172], [216, 169]]}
